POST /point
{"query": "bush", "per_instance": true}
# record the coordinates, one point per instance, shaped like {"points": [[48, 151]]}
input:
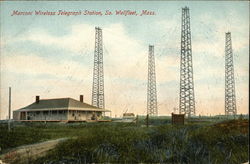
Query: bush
{"points": [[224, 142], [19, 136], [162, 144]]}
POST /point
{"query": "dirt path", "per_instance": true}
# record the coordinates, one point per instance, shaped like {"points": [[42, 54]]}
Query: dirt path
{"points": [[24, 154]]}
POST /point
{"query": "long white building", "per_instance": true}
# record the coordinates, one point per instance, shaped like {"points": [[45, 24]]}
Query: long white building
{"points": [[59, 109]]}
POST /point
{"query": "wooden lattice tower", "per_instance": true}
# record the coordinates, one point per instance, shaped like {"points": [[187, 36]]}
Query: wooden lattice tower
{"points": [[152, 92], [230, 98], [187, 99], [98, 75]]}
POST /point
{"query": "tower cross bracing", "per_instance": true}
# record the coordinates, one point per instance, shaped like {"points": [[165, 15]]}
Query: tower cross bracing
{"points": [[98, 75], [230, 98], [151, 91], [186, 99]]}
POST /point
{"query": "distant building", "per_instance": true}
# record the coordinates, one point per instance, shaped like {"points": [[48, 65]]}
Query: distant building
{"points": [[128, 115], [178, 119], [60, 109]]}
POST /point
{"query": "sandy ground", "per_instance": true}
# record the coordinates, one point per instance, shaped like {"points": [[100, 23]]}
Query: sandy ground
{"points": [[24, 154]]}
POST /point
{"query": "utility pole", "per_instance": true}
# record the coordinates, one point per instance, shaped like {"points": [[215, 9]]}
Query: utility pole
{"points": [[147, 120], [137, 120], [98, 75], [187, 99], [9, 109], [230, 98], [151, 92]]}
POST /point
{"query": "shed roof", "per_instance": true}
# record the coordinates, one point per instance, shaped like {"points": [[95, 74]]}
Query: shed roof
{"points": [[60, 104]]}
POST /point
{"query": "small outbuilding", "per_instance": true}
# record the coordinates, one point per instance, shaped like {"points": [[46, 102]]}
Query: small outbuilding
{"points": [[178, 119], [59, 109]]}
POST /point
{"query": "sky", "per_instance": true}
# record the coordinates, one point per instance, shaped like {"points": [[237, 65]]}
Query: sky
{"points": [[52, 56]]}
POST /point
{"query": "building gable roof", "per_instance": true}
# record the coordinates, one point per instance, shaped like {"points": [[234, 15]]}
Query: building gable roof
{"points": [[60, 104], [49, 103]]}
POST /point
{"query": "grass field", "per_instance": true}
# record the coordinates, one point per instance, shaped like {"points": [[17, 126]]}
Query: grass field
{"points": [[198, 141]]}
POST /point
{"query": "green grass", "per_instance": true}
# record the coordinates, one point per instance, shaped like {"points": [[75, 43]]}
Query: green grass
{"points": [[20, 136], [27, 133], [160, 144], [195, 142]]}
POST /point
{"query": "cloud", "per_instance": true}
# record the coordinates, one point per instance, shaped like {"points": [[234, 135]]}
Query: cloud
{"points": [[33, 64], [121, 52], [210, 36], [125, 57], [77, 41]]}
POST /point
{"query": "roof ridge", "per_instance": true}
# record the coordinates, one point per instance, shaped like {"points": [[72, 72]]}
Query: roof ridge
{"points": [[56, 98]]}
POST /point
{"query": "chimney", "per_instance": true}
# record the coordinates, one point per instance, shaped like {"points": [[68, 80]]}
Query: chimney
{"points": [[81, 98], [37, 99]]}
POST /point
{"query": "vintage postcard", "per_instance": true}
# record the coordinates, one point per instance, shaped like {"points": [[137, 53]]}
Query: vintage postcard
{"points": [[124, 82]]}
